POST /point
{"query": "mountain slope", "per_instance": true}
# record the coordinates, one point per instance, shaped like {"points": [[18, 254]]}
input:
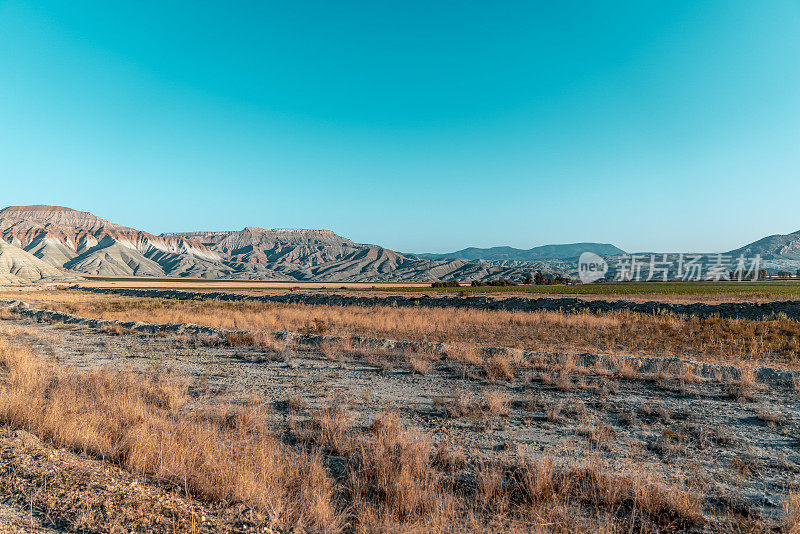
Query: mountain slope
{"points": [[82, 242], [774, 247], [20, 267], [545, 252]]}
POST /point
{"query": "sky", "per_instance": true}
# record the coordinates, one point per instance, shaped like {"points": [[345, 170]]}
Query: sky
{"points": [[419, 126]]}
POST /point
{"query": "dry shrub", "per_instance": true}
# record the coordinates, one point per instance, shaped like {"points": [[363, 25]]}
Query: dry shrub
{"points": [[139, 424], [466, 355], [674, 507], [448, 456], [393, 482], [624, 368], [419, 365], [262, 340], [538, 487], [791, 514], [327, 428], [564, 381], [553, 411], [334, 350], [598, 432], [495, 402], [115, 329], [296, 403], [498, 367], [457, 405], [745, 386]]}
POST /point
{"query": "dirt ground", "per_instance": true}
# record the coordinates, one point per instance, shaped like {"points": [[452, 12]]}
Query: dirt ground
{"points": [[740, 448]]}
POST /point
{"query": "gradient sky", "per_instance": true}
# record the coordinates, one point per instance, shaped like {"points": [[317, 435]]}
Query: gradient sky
{"points": [[420, 126]]}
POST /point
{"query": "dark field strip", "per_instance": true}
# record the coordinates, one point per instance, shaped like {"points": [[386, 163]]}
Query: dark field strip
{"points": [[729, 310]]}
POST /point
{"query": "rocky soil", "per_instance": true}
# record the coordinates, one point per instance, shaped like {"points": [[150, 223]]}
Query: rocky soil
{"points": [[737, 443]]}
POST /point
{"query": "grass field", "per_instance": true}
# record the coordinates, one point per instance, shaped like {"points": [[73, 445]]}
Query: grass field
{"points": [[765, 288], [768, 289], [203, 284], [709, 339]]}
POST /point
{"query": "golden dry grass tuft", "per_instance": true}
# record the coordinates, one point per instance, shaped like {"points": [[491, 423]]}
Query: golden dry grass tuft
{"points": [[498, 367]]}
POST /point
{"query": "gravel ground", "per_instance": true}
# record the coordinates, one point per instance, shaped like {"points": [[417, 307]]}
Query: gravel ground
{"points": [[740, 448]]}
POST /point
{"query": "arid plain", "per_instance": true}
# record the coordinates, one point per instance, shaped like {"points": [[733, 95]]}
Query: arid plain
{"points": [[186, 411]]}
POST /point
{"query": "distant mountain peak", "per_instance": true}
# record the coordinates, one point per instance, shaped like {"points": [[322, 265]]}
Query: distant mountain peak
{"points": [[34, 208], [545, 252], [59, 215]]}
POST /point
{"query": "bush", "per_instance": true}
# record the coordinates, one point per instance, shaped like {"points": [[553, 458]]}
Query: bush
{"points": [[501, 282], [451, 283]]}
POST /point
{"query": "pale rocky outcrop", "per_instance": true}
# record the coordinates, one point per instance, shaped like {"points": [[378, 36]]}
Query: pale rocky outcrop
{"points": [[20, 267]]}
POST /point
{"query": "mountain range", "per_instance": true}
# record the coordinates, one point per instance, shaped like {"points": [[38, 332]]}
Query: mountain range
{"points": [[39, 242], [546, 252], [81, 242]]}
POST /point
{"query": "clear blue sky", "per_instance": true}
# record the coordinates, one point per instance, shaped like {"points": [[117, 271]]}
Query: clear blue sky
{"points": [[420, 126]]}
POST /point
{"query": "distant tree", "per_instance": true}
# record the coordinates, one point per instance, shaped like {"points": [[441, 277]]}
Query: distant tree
{"points": [[762, 274], [500, 282], [798, 273], [528, 279], [451, 283], [783, 273], [539, 279]]}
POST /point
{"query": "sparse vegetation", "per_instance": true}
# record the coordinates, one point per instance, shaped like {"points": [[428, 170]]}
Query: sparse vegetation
{"points": [[393, 479], [776, 341], [380, 447], [723, 289]]}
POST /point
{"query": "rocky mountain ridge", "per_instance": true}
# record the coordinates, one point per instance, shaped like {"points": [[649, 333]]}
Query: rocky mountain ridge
{"points": [[81, 242], [542, 253]]}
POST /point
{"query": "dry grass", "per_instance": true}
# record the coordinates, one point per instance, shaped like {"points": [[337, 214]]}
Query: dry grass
{"points": [[498, 367], [791, 514], [745, 386], [771, 418], [398, 482], [387, 479], [419, 365], [711, 339], [495, 402], [141, 423]]}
